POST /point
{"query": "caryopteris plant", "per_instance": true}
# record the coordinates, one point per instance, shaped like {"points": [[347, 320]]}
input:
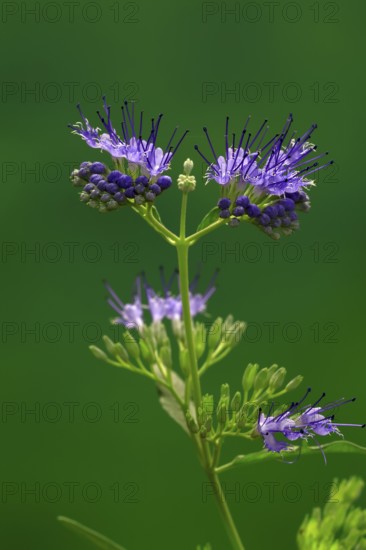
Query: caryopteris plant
{"points": [[262, 181]]}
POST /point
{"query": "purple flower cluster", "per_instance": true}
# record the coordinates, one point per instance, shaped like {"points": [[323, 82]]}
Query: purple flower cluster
{"points": [[282, 165], [299, 423], [106, 190], [142, 155], [276, 219], [165, 306]]}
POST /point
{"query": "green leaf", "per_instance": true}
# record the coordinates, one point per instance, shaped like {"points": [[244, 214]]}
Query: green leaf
{"points": [[168, 401], [210, 218], [92, 536], [265, 456]]}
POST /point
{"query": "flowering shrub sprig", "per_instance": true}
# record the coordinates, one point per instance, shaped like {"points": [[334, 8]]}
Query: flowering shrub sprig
{"points": [[263, 182]]}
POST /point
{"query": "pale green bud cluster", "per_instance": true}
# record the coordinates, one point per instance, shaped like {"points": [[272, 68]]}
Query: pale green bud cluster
{"points": [[238, 411], [186, 182], [151, 347], [339, 525]]}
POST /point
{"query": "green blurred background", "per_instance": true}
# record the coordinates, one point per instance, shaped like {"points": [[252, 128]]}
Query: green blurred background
{"points": [[117, 462]]}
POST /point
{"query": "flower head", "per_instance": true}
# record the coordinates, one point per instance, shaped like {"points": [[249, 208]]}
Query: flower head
{"points": [[263, 180], [279, 166], [299, 422], [166, 305], [129, 315], [140, 153]]}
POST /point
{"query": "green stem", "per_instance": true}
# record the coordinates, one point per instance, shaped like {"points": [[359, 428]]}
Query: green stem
{"points": [[147, 215], [226, 516], [192, 239], [182, 246], [182, 251]]}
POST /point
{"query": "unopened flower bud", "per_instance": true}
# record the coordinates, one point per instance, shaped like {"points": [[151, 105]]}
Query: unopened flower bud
{"points": [[249, 376], [236, 402], [110, 346], [214, 334], [188, 166], [294, 383], [277, 379], [191, 423], [184, 361], [166, 356], [98, 353], [261, 380], [131, 345]]}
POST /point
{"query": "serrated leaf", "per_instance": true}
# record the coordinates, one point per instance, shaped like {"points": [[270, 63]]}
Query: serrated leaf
{"points": [[169, 403], [98, 540], [210, 218], [265, 456]]}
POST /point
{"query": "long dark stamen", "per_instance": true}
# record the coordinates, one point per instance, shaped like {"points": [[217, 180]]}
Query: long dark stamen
{"points": [[179, 142], [257, 134], [210, 144], [125, 123], [227, 137], [171, 139], [205, 159], [113, 294]]}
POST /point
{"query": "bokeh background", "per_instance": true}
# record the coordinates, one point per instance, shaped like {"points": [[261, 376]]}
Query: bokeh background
{"points": [[97, 446]]}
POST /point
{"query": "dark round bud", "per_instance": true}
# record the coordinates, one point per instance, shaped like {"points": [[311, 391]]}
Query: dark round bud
{"points": [[130, 193], [155, 188], [238, 211], [88, 187], [264, 219], [124, 181], [224, 214], [293, 216], [84, 173], [234, 222], [253, 211], [280, 210], [164, 182], [243, 201], [285, 221], [113, 176], [150, 196], [304, 206], [112, 188], [94, 194], [85, 164], [288, 204], [143, 180], [294, 196], [303, 196], [224, 203], [102, 185], [271, 211], [140, 199], [139, 188], [119, 197], [97, 168], [105, 197], [276, 222], [95, 178]]}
